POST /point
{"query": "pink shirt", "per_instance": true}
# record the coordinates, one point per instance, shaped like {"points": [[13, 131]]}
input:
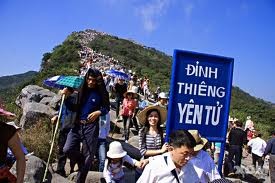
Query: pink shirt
{"points": [[128, 107]]}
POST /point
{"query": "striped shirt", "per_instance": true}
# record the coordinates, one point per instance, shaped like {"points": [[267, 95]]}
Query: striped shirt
{"points": [[151, 143]]}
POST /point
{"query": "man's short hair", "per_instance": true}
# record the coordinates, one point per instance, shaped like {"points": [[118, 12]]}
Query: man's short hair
{"points": [[180, 138], [238, 123]]}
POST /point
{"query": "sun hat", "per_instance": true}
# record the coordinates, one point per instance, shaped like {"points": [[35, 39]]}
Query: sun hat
{"points": [[163, 95], [200, 141], [142, 115], [116, 150], [13, 124], [130, 91]]}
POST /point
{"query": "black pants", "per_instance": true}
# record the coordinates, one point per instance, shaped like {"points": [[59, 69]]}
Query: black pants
{"points": [[61, 155], [118, 102], [88, 135], [256, 158], [235, 151]]}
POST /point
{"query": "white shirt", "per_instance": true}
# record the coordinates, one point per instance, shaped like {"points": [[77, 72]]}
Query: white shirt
{"points": [[158, 171], [104, 126], [204, 166], [257, 146]]}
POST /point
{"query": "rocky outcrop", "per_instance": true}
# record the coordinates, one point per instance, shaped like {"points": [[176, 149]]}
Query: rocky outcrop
{"points": [[36, 102], [34, 170]]}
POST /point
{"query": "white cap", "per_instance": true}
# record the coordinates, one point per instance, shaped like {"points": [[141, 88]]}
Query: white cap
{"points": [[163, 95]]}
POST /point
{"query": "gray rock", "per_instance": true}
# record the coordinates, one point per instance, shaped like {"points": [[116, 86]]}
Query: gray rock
{"points": [[32, 93], [35, 168], [32, 111], [54, 103]]}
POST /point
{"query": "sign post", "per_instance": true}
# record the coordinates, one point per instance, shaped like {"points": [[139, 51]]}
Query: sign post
{"points": [[200, 91]]}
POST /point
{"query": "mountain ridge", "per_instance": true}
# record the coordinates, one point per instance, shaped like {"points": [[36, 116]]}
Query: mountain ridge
{"points": [[145, 61]]}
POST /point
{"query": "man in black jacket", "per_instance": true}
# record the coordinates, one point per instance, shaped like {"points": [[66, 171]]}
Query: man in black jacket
{"points": [[236, 138]]}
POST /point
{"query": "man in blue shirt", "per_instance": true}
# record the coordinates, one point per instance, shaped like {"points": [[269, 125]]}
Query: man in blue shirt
{"points": [[93, 102], [270, 149]]}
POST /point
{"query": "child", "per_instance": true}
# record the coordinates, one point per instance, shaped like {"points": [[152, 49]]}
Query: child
{"points": [[116, 156], [128, 108]]}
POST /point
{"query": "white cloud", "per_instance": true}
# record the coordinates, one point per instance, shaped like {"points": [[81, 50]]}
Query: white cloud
{"points": [[151, 12]]}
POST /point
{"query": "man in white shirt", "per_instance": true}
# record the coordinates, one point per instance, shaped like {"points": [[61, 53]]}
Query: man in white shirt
{"points": [[258, 146], [168, 167], [201, 161]]}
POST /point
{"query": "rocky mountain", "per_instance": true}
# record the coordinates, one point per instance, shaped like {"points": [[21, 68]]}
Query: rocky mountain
{"points": [[16, 80], [71, 55]]}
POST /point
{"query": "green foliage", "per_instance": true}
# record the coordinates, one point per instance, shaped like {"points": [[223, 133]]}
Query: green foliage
{"points": [[144, 61], [261, 112], [15, 80]]}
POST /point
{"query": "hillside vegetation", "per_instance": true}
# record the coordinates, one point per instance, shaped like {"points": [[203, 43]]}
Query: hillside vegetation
{"points": [[145, 61]]}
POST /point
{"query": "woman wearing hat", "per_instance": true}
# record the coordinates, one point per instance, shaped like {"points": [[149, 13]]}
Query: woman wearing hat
{"points": [[151, 141], [9, 138], [128, 108], [116, 156]]}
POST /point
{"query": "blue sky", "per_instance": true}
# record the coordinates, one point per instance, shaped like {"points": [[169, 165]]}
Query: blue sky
{"points": [[244, 30]]}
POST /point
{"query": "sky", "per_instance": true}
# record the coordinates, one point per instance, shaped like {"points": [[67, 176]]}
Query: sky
{"points": [[241, 29]]}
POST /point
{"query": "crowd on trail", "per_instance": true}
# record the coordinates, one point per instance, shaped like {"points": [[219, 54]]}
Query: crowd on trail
{"points": [[85, 128]]}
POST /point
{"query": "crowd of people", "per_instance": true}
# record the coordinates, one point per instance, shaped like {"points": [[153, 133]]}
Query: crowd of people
{"points": [[85, 119]]}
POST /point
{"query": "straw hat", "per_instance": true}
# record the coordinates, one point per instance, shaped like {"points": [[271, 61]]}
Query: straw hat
{"points": [[200, 141], [116, 150], [130, 91], [142, 115]]}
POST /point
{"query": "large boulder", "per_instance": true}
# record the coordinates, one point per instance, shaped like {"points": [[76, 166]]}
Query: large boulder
{"points": [[35, 168], [33, 93], [36, 102], [33, 111]]}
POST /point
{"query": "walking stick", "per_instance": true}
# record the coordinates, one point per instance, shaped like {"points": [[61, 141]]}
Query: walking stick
{"points": [[52, 143]]}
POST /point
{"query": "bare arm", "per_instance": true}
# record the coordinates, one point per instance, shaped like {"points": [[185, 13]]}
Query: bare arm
{"points": [[14, 145], [157, 152]]}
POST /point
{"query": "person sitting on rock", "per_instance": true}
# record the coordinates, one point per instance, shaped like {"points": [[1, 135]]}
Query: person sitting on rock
{"points": [[116, 156]]}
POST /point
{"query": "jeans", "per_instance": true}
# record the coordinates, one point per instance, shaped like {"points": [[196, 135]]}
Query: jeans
{"points": [[101, 153], [126, 126], [88, 135], [234, 151]]}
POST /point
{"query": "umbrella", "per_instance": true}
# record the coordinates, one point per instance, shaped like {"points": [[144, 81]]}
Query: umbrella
{"points": [[118, 74], [61, 82]]}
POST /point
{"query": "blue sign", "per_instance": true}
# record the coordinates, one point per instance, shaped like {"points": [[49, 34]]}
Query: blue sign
{"points": [[200, 92]]}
